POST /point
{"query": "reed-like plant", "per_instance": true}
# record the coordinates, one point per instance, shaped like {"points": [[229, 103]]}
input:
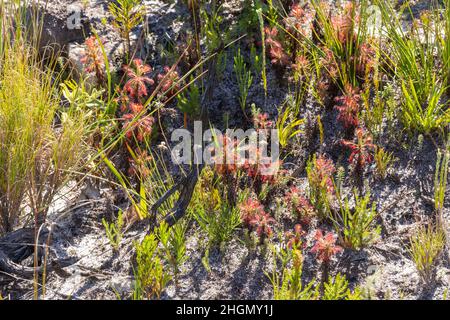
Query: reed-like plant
{"points": [[440, 181], [426, 115], [40, 145], [419, 58]]}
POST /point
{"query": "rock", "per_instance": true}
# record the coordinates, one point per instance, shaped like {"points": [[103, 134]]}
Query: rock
{"points": [[60, 25], [75, 53]]}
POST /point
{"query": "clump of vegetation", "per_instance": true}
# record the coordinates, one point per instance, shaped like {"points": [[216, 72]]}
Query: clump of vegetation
{"points": [[173, 242], [426, 245], [287, 284], [218, 217], [301, 207], [256, 218], [288, 126], [383, 161], [411, 57], [337, 289]]}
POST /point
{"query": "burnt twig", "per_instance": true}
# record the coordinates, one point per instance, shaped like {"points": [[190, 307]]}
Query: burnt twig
{"points": [[187, 184]]}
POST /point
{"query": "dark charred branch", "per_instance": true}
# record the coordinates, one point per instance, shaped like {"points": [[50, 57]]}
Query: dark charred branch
{"points": [[17, 246], [187, 183]]}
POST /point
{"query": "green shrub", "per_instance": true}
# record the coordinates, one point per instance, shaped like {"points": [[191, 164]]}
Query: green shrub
{"points": [[150, 275], [356, 226]]}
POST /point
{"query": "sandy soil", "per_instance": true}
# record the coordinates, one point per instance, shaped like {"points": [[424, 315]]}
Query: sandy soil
{"points": [[237, 272]]}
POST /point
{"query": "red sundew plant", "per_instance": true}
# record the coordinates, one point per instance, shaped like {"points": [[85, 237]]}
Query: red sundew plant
{"points": [[298, 20], [227, 157], [255, 218], [136, 108], [362, 151], [278, 56], [93, 59], [343, 24], [301, 64], [295, 19], [128, 105], [329, 63], [262, 169], [297, 12], [168, 81], [325, 247], [321, 173], [298, 26], [271, 34], [250, 209], [123, 100], [294, 239], [138, 165], [348, 107], [300, 205], [138, 79], [366, 60], [140, 128], [262, 223], [261, 121], [135, 122], [276, 52]]}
